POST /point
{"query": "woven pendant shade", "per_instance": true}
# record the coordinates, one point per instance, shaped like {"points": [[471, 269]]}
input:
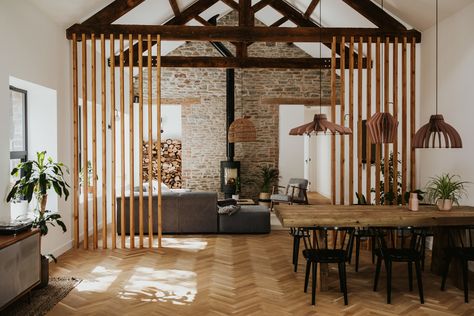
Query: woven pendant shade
{"points": [[320, 124], [242, 130], [437, 134], [382, 128]]}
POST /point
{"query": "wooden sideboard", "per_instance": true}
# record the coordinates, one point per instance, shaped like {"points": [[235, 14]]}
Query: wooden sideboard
{"points": [[20, 265]]}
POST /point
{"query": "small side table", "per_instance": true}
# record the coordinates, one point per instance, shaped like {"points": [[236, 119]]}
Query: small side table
{"points": [[245, 202]]}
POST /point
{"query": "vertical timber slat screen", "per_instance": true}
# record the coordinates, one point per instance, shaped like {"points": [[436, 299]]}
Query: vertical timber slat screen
{"points": [[95, 122], [391, 64]]}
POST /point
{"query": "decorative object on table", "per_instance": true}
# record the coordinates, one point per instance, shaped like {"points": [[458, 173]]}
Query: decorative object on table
{"points": [[437, 133], [266, 178], [413, 202], [383, 126], [242, 130], [320, 123], [43, 300], [35, 178], [445, 190]]}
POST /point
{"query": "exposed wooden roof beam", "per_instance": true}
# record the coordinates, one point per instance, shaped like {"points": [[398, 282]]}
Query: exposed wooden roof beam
{"points": [[311, 8], [232, 4], [174, 6], [239, 33], [279, 21], [260, 5], [237, 62], [189, 13], [113, 11], [375, 14]]}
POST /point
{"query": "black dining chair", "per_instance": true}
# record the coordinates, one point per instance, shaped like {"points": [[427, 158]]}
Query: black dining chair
{"points": [[297, 234], [363, 233], [461, 246], [319, 250], [405, 247]]}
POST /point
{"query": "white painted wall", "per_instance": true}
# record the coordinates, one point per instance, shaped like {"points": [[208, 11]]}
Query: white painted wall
{"points": [[291, 148], [456, 95], [35, 49]]}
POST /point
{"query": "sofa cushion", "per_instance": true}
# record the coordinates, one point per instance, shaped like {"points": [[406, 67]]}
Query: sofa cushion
{"points": [[228, 209], [250, 219]]}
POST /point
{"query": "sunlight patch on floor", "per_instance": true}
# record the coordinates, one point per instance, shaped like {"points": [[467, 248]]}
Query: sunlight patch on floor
{"points": [[168, 286], [105, 277], [191, 244]]}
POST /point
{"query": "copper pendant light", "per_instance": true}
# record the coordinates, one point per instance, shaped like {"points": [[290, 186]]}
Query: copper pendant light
{"points": [[242, 130], [320, 123], [437, 133], [382, 126]]}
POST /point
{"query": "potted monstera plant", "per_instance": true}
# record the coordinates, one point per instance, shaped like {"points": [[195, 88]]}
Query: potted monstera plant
{"points": [[445, 190], [35, 178]]}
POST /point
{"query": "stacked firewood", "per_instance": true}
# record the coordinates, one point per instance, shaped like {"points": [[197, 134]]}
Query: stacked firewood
{"points": [[170, 162]]}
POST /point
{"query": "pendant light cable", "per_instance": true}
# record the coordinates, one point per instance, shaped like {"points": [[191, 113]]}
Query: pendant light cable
{"points": [[437, 12], [320, 57]]}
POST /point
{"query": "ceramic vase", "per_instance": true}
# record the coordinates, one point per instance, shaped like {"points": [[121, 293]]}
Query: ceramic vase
{"points": [[444, 204], [413, 202]]}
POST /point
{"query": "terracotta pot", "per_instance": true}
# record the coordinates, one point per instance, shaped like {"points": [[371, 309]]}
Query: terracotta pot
{"points": [[444, 205]]}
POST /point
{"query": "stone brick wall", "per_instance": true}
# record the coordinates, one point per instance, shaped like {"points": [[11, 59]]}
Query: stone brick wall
{"points": [[203, 124]]}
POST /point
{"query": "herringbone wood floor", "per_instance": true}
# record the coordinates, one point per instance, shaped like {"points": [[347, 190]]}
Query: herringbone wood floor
{"points": [[232, 275]]}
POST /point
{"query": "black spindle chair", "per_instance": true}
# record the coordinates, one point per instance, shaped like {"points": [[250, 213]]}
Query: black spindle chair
{"points": [[399, 251], [298, 234], [461, 246], [319, 250]]}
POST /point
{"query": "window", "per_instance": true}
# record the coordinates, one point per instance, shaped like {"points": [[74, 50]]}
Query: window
{"points": [[18, 127]]}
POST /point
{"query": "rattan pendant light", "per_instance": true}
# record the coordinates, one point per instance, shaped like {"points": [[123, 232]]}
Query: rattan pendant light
{"points": [[320, 123], [382, 126], [437, 133]]}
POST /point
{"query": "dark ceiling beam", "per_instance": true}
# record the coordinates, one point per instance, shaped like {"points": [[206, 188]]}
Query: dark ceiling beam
{"points": [[232, 4], [240, 33], [113, 11], [279, 22], [311, 8], [247, 19], [193, 10], [375, 14], [299, 19], [174, 7], [260, 5], [236, 62]]}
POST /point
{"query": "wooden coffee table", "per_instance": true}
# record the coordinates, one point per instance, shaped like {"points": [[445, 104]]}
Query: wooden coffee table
{"points": [[245, 202]]}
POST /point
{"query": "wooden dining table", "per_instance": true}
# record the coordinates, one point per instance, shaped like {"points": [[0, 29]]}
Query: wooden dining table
{"points": [[294, 216]]}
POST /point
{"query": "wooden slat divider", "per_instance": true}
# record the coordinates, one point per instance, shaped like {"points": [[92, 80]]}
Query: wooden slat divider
{"points": [[342, 153], [351, 120], [412, 114], [378, 147], [150, 146], [395, 115], [369, 114], [122, 143], [75, 111], [140, 137], [113, 185], [85, 173], [386, 151], [359, 116], [95, 224], [333, 119], [131, 142], [158, 129], [404, 115], [104, 140]]}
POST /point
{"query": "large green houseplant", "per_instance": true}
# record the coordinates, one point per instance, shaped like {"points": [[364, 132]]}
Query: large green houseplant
{"points": [[265, 179], [35, 178], [444, 190]]}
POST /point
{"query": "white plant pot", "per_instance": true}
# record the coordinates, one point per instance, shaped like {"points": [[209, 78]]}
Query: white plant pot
{"points": [[444, 205], [19, 209], [235, 196]]}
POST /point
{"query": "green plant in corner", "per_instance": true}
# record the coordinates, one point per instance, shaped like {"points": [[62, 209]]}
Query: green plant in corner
{"points": [[268, 177], [446, 187]]}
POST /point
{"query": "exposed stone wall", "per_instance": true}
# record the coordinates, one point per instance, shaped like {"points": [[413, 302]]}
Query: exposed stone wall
{"points": [[203, 124]]}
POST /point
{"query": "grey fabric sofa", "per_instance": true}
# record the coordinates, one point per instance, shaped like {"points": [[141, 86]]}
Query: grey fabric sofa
{"points": [[184, 212]]}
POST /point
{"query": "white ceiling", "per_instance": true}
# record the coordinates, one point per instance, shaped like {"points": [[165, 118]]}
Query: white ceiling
{"points": [[417, 13]]}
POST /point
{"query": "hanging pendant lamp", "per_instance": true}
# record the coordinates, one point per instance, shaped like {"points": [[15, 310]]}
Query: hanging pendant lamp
{"points": [[382, 126], [437, 133], [242, 130], [320, 123]]}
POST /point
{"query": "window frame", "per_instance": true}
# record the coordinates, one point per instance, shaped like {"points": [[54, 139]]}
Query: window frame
{"points": [[23, 154]]}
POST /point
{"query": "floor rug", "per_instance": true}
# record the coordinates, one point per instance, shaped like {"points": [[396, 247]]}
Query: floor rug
{"points": [[42, 300]]}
